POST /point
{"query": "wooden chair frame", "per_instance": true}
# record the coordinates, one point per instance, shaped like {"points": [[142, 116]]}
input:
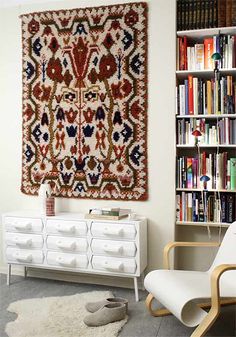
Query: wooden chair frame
{"points": [[216, 301]]}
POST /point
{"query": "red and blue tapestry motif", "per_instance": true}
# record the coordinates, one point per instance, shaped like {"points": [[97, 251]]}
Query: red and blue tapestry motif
{"points": [[85, 102]]}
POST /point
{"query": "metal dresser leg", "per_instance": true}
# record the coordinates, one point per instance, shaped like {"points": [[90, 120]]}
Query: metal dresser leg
{"points": [[8, 274], [136, 289]]}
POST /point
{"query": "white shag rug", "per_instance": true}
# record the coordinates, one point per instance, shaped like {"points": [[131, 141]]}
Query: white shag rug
{"points": [[58, 317]]}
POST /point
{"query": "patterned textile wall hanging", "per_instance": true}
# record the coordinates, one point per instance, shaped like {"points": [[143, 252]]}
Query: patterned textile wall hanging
{"points": [[85, 102]]}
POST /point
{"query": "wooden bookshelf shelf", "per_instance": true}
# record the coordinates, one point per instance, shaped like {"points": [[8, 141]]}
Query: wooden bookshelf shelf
{"points": [[202, 224], [207, 116]]}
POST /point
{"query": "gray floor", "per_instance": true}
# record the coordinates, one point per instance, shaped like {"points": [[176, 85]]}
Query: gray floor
{"points": [[140, 323]]}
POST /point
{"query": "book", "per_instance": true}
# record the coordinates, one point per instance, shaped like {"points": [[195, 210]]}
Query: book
{"points": [[208, 51], [221, 13], [107, 212], [199, 56], [230, 209], [233, 13], [190, 95], [105, 217], [228, 13], [233, 173]]}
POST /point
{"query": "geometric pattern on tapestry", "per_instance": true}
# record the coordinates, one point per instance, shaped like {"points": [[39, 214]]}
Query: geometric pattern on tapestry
{"points": [[85, 102]]}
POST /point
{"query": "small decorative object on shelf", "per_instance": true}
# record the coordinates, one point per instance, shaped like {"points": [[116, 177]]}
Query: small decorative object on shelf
{"points": [[50, 206], [44, 192]]}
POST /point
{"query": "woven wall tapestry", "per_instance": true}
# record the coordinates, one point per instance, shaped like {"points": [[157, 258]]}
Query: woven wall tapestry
{"points": [[85, 101]]}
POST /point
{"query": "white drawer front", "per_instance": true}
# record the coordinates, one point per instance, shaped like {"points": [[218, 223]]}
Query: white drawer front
{"points": [[70, 228], [24, 256], [67, 260], [114, 264], [114, 248], [23, 225], [26, 241], [113, 230], [67, 244]]}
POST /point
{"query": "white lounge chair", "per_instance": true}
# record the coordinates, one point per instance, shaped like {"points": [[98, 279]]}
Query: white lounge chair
{"points": [[180, 291]]}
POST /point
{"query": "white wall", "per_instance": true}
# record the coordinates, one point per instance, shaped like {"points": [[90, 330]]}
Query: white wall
{"points": [[160, 207]]}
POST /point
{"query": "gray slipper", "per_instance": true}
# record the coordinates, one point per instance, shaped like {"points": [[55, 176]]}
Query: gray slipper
{"points": [[109, 313], [95, 306]]}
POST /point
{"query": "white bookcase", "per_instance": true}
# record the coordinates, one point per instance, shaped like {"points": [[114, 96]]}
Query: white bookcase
{"points": [[190, 150]]}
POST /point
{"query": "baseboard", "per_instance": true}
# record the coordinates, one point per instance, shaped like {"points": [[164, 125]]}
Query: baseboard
{"points": [[73, 277]]}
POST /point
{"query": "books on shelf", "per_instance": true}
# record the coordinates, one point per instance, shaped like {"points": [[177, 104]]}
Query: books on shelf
{"points": [[215, 132], [197, 96], [197, 56], [108, 213], [198, 14], [217, 166], [208, 207]]}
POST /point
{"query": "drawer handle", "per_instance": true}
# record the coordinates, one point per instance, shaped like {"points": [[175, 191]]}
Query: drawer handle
{"points": [[25, 226], [66, 263], [115, 266], [67, 246], [62, 229], [113, 231], [112, 249], [23, 242], [23, 258]]}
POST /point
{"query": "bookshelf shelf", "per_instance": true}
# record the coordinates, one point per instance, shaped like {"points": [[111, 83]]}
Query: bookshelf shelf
{"points": [[205, 73], [208, 190], [208, 32], [202, 224], [207, 116], [207, 146]]}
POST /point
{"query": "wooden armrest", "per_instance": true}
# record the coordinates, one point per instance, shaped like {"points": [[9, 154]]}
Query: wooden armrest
{"points": [[170, 245], [215, 279], [214, 311]]}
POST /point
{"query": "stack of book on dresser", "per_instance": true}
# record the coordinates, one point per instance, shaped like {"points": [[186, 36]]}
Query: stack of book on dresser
{"points": [[109, 213]]}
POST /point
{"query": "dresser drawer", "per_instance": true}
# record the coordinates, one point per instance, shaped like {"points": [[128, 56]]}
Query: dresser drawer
{"points": [[71, 228], [113, 230], [24, 225], [114, 248], [67, 260], [113, 264], [25, 256], [67, 244], [26, 241]]}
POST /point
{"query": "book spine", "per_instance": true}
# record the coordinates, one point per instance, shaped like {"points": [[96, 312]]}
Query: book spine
{"points": [[233, 174], [233, 20], [179, 17], [190, 95], [228, 13], [223, 208], [221, 13], [178, 207], [230, 210]]}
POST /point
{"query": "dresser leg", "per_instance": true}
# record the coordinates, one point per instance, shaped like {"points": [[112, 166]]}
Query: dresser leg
{"points": [[8, 274], [136, 289], [25, 272]]}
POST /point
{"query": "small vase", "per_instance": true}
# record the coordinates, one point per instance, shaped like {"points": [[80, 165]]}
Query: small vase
{"points": [[43, 193], [50, 206]]}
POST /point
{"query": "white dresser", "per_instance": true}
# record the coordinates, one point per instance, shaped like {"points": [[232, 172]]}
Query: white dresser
{"points": [[70, 242]]}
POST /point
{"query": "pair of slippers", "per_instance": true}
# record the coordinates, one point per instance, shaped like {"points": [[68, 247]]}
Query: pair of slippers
{"points": [[106, 311]]}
